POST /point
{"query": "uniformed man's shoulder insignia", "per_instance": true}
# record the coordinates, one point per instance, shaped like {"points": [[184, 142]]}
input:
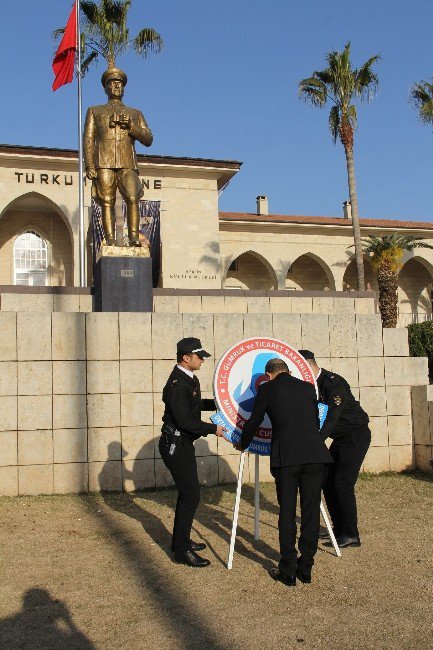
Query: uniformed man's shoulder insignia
{"points": [[194, 393], [337, 400], [332, 376], [174, 381]]}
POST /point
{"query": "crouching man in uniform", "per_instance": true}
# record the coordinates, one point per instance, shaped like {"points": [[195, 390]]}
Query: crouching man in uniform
{"points": [[298, 458], [182, 426], [347, 424]]}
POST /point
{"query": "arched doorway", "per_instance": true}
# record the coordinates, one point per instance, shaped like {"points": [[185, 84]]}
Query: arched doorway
{"points": [[414, 293], [36, 214], [309, 273], [350, 281], [250, 271]]}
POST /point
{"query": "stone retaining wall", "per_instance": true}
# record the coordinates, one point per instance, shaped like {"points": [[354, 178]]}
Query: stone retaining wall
{"points": [[422, 413], [221, 301], [80, 394]]}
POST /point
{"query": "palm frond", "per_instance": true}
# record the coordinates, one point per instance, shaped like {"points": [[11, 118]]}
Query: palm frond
{"points": [[422, 97], [116, 11], [325, 76], [147, 41], [366, 81], [89, 10], [313, 91], [92, 57], [334, 122], [58, 32]]}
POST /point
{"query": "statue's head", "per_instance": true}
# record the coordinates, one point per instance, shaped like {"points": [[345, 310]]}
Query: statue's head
{"points": [[114, 81]]}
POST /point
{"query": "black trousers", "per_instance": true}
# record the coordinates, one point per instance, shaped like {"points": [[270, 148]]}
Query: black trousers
{"points": [[183, 468], [339, 486], [308, 480]]}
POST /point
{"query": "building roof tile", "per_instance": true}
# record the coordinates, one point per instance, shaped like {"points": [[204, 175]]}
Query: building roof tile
{"points": [[324, 221]]}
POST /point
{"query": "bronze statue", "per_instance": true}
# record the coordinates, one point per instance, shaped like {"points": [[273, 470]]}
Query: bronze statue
{"points": [[110, 132]]}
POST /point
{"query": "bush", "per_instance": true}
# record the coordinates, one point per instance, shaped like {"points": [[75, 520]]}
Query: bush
{"points": [[421, 343]]}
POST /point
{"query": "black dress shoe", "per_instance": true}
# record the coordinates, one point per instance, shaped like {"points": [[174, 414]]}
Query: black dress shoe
{"points": [[344, 541], [191, 559], [194, 546], [324, 534], [303, 577], [289, 581]]}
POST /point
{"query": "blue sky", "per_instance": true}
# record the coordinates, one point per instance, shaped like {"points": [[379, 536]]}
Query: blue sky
{"points": [[225, 86]]}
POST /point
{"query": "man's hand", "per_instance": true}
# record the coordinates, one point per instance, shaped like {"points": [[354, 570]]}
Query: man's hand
{"points": [[238, 446], [91, 173], [220, 431]]}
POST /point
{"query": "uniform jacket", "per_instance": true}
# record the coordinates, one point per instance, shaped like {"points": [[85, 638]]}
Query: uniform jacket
{"points": [[113, 147], [183, 405], [344, 412], [291, 405]]}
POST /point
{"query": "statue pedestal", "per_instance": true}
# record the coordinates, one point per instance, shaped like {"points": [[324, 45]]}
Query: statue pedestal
{"points": [[123, 279]]}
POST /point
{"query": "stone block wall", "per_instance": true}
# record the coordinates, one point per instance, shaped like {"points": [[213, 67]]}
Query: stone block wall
{"points": [[211, 301], [265, 302], [422, 413], [80, 393]]}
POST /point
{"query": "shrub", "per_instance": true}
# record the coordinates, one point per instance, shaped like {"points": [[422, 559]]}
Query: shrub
{"points": [[421, 343]]}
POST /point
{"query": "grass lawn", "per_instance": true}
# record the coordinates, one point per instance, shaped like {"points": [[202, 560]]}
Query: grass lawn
{"points": [[95, 571]]}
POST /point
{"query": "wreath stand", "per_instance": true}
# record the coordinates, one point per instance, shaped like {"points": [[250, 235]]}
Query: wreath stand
{"points": [[257, 511]]}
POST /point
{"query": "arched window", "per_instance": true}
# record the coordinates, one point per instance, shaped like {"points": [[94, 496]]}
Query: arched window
{"points": [[30, 260]]}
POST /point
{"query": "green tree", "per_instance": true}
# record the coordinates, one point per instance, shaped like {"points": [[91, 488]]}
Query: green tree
{"points": [[105, 33], [422, 96], [341, 84], [386, 253]]}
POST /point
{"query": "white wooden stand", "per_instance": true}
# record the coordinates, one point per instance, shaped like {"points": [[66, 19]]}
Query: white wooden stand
{"points": [[257, 510]]}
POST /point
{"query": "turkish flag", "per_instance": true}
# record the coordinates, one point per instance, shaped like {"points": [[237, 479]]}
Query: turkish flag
{"points": [[64, 60]]}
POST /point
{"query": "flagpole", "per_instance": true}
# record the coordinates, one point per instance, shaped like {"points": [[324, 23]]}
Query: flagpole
{"points": [[82, 245]]}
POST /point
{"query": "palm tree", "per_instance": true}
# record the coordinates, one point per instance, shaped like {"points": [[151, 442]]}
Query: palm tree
{"points": [[105, 33], [422, 96], [386, 253], [342, 84]]}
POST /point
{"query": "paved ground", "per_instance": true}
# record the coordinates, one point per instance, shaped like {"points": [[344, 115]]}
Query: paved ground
{"points": [[95, 572]]}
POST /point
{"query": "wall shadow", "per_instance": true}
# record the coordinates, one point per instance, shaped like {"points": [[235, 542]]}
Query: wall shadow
{"points": [[173, 605], [43, 622], [420, 475], [211, 514]]}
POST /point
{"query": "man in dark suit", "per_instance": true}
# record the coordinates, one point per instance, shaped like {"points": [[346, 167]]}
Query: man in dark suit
{"points": [[347, 424], [182, 426], [298, 458]]}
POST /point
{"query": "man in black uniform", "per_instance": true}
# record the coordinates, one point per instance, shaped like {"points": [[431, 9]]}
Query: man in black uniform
{"points": [[347, 424], [182, 425], [298, 457]]}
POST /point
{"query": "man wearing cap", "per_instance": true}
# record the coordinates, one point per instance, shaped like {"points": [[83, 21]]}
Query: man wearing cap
{"points": [[298, 458], [182, 426], [110, 132], [347, 424]]}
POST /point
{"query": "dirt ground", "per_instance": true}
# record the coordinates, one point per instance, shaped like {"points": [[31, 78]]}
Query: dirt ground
{"points": [[96, 572]]}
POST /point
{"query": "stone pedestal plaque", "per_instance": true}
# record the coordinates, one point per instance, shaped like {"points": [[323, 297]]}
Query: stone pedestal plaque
{"points": [[123, 279]]}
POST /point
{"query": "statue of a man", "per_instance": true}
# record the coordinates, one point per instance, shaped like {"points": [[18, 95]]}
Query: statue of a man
{"points": [[110, 132]]}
